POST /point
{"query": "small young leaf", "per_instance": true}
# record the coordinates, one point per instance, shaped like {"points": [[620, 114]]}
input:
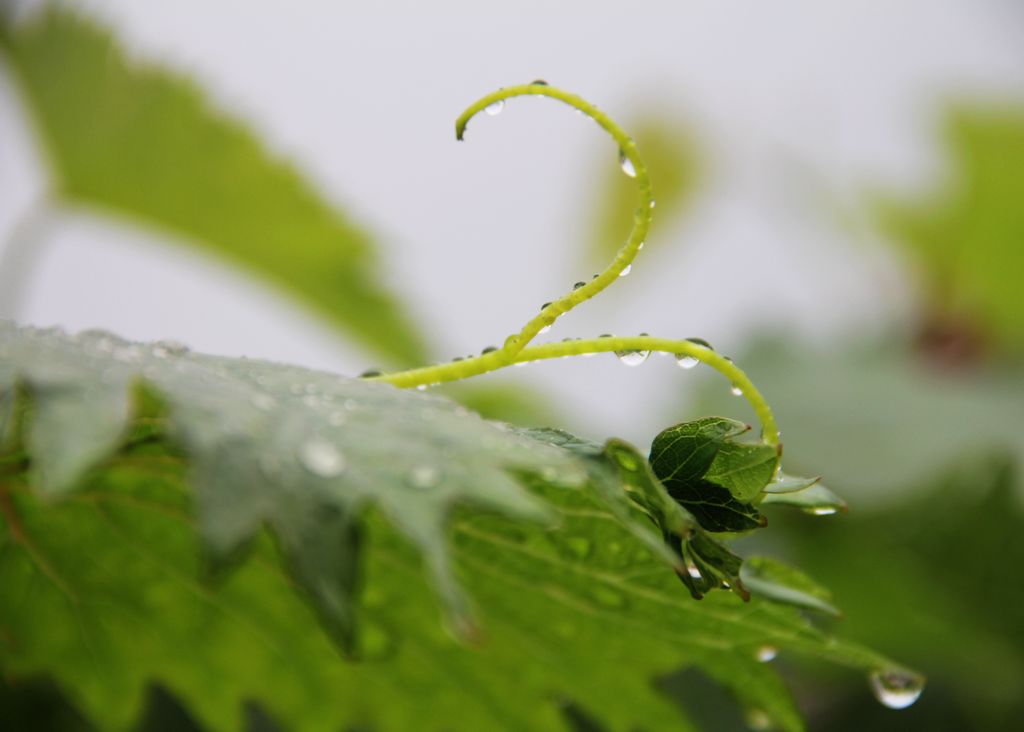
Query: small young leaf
{"points": [[744, 470], [681, 457], [782, 583], [816, 499]]}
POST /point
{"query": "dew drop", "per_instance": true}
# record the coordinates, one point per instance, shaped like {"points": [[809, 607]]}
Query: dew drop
{"points": [[894, 688], [322, 458], [488, 349], [701, 342], [691, 569], [686, 362], [628, 268], [370, 373], [641, 246], [758, 719], [764, 654], [605, 335], [545, 306], [632, 357], [545, 329], [626, 164], [494, 108], [424, 476], [736, 390], [653, 203], [823, 510], [578, 285], [538, 82]]}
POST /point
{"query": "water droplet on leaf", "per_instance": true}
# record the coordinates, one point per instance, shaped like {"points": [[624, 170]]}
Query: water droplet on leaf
{"points": [[424, 476], [823, 510], [322, 458], [896, 689], [764, 654]]}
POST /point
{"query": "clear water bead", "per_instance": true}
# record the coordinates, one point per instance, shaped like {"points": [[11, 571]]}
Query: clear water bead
{"points": [[538, 82], [578, 285], [764, 654], [626, 270], [322, 458], [736, 390], [626, 164], [494, 108], [823, 510], [632, 357], [896, 689], [686, 362]]}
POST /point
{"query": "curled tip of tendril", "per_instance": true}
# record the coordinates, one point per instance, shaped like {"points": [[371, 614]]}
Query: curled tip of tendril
{"points": [[516, 348]]}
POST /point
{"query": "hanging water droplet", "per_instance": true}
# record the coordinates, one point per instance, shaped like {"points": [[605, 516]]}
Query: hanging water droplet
{"points": [[686, 362], [421, 387], [896, 689], [494, 108], [628, 268], [764, 654], [823, 510], [322, 458], [701, 342], [736, 390], [488, 349], [538, 82], [370, 373], [641, 246], [545, 329], [653, 203], [626, 164], [691, 569], [632, 357], [578, 285], [424, 476]]}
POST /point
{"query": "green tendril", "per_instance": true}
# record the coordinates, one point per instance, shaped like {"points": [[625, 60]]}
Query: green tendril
{"points": [[517, 349]]}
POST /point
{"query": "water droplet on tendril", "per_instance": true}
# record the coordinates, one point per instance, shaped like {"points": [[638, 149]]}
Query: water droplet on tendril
{"points": [[578, 285], [641, 246], [701, 342], [896, 689], [736, 390], [626, 270], [626, 164], [488, 349], [686, 362], [545, 329], [538, 82], [764, 654], [653, 203], [370, 373], [632, 357], [494, 108], [322, 458]]}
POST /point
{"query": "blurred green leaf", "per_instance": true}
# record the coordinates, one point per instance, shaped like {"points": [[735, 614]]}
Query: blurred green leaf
{"points": [[967, 233], [780, 582], [144, 142], [672, 159], [815, 499]]}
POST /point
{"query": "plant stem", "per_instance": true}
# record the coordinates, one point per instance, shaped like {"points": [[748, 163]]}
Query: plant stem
{"points": [[432, 375], [517, 350]]}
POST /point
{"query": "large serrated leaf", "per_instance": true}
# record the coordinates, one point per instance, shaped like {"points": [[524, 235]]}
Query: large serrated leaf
{"points": [[100, 561]]}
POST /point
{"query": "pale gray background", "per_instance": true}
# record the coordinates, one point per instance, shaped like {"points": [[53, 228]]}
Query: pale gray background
{"points": [[801, 107]]}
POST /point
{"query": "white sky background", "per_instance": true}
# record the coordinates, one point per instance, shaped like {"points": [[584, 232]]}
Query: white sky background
{"points": [[800, 106]]}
